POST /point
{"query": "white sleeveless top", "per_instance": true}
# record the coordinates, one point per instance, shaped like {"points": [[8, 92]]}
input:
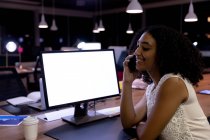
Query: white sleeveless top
{"points": [[189, 121]]}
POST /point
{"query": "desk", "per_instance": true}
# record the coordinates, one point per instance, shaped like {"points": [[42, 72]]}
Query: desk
{"points": [[16, 132], [26, 75], [22, 70], [11, 132]]}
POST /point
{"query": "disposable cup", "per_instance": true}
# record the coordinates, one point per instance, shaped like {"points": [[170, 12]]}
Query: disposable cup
{"points": [[30, 128]]}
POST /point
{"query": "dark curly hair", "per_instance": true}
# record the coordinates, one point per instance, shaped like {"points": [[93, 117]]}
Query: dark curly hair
{"points": [[175, 54]]}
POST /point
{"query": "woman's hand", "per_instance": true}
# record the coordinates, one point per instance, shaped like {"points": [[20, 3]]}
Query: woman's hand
{"points": [[128, 76], [139, 127]]}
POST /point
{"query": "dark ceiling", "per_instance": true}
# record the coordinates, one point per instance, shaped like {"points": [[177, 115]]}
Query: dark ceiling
{"points": [[85, 5], [88, 5], [72, 13]]}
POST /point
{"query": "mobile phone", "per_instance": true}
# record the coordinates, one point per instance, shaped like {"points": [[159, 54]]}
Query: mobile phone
{"points": [[132, 64]]}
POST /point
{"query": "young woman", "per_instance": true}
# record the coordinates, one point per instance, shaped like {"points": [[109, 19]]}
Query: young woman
{"points": [[171, 65]]}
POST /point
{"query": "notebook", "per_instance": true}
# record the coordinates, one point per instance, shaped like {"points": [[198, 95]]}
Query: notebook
{"points": [[32, 97]]}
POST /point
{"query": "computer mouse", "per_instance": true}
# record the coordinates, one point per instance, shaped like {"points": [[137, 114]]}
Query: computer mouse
{"points": [[35, 95]]}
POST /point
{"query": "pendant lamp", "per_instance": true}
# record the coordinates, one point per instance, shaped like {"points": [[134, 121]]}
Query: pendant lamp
{"points": [[191, 16], [95, 29], [53, 27], [129, 30], [43, 23], [134, 7], [101, 26]]}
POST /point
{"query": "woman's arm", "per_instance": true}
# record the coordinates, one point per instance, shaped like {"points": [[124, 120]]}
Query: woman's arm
{"points": [[172, 93], [129, 114]]}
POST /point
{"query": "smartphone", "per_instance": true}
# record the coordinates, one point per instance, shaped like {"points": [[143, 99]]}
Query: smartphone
{"points": [[132, 64]]}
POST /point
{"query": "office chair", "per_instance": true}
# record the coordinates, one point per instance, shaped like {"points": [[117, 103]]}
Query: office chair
{"points": [[121, 59], [11, 84]]}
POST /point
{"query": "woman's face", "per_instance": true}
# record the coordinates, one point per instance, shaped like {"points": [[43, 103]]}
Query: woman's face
{"points": [[146, 53]]}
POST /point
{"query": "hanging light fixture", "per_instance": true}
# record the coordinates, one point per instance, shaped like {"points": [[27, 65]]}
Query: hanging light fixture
{"points": [[134, 7], [53, 27], [43, 23], [101, 26], [95, 29], [129, 30], [191, 16]]}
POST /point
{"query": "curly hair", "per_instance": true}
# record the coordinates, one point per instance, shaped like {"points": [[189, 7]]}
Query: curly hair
{"points": [[175, 54]]}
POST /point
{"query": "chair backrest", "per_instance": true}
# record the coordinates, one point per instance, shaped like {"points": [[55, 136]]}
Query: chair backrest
{"points": [[121, 59], [118, 51], [10, 84]]}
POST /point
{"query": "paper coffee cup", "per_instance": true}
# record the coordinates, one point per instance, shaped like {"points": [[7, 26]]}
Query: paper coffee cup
{"points": [[30, 128]]}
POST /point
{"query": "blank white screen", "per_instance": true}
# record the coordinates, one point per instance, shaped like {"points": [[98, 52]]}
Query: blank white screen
{"points": [[78, 76]]}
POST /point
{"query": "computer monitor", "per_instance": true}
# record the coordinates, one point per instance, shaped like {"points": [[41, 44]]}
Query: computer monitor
{"points": [[78, 77]]}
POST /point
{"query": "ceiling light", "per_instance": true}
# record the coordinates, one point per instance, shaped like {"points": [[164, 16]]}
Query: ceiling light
{"points": [[43, 23], [129, 30], [101, 26], [134, 7], [53, 27], [191, 16], [95, 29]]}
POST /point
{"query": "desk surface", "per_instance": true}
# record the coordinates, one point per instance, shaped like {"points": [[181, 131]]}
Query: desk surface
{"points": [[11, 132], [25, 70], [21, 70]]}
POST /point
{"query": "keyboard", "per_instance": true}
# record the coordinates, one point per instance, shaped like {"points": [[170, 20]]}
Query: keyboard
{"points": [[111, 112], [57, 114]]}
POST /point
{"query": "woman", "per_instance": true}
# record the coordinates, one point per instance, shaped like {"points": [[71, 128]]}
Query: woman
{"points": [[171, 65]]}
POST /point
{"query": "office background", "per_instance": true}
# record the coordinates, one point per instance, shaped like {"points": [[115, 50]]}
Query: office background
{"points": [[75, 20]]}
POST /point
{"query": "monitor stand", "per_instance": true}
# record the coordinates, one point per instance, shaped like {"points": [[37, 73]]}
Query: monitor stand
{"points": [[83, 116], [37, 106]]}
